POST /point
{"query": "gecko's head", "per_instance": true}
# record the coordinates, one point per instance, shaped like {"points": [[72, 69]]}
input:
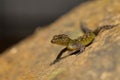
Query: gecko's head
{"points": [[60, 39]]}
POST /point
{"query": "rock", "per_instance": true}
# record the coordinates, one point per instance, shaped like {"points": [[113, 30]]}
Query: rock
{"points": [[30, 59]]}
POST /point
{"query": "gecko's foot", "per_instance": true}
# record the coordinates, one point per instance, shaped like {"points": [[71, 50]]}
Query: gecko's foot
{"points": [[75, 52], [56, 60], [80, 51]]}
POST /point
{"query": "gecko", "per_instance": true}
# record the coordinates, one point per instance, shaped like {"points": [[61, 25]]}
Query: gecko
{"points": [[78, 45]]}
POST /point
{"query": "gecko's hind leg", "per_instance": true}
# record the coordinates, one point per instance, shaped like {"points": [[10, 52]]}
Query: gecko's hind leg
{"points": [[77, 52], [84, 27]]}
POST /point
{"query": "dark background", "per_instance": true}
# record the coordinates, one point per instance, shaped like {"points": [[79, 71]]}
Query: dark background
{"points": [[19, 18]]}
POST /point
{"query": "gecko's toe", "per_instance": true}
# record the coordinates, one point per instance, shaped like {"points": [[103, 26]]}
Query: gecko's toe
{"points": [[54, 62]]}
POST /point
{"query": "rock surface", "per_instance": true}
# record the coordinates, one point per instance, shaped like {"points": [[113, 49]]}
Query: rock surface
{"points": [[30, 59]]}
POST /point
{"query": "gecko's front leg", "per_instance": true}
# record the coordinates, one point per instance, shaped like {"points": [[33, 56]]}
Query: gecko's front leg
{"points": [[59, 56]]}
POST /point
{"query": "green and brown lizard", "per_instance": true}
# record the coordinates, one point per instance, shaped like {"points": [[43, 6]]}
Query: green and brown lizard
{"points": [[77, 46]]}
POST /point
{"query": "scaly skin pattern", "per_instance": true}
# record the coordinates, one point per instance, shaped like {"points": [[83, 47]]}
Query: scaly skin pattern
{"points": [[76, 46]]}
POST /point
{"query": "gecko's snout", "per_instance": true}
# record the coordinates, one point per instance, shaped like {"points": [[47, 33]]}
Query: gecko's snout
{"points": [[52, 41]]}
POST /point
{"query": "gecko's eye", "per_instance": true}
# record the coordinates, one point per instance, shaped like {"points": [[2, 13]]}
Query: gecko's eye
{"points": [[58, 38]]}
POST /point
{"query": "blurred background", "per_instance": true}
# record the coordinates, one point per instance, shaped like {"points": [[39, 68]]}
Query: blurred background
{"points": [[19, 18]]}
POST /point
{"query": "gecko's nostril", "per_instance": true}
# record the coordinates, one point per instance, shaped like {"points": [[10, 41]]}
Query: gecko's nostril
{"points": [[51, 41]]}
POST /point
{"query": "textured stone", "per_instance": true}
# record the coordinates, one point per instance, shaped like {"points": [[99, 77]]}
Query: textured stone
{"points": [[30, 59]]}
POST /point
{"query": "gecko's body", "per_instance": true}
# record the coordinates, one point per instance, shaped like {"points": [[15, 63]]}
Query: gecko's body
{"points": [[77, 45]]}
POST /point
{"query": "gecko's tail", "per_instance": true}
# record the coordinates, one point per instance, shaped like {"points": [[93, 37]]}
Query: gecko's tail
{"points": [[105, 27]]}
